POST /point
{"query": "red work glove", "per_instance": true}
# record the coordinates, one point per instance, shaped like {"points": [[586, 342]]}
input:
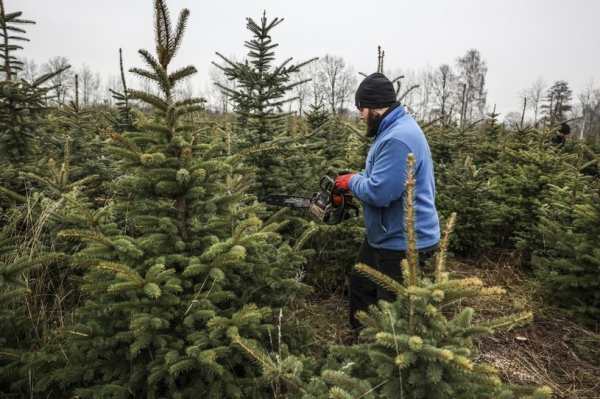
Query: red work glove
{"points": [[343, 180]]}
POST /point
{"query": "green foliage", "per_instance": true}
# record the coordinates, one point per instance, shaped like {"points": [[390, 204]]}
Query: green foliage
{"points": [[20, 264], [33, 287], [259, 95], [466, 188], [317, 116], [522, 173], [78, 133], [412, 346], [21, 106], [495, 180], [463, 185], [568, 262], [557, 102]]}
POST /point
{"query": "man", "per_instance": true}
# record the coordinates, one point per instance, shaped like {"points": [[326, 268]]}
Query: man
{"points": [[561, 136], [380, 188]]}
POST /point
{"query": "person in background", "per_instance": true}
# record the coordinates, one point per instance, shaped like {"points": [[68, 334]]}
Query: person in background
{"points": [[381, 189], [561, 136]]}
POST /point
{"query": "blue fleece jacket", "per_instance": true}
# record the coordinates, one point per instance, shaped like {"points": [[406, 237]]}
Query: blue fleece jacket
{"points": [[380, 187]]}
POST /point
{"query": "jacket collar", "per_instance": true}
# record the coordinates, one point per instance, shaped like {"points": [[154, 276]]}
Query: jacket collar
{"points": [[394, 112]]}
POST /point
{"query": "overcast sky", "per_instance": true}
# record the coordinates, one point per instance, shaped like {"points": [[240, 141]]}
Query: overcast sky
{"points": [[520, 40]]}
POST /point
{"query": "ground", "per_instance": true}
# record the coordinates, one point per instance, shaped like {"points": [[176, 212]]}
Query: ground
{"points": [[557, 350]]}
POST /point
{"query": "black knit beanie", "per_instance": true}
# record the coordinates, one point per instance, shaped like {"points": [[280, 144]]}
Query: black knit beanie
{"points": [[375, 91], [564, 129]]}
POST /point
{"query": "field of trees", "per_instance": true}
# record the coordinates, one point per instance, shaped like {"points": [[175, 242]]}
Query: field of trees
{"points": [[138, 259]]}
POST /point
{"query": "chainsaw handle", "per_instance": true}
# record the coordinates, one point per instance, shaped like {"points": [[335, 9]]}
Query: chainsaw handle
{"points": [[327, 183], [338, 210]]}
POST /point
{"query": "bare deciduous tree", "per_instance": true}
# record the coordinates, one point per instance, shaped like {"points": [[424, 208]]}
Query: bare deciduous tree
{"points": [[61, 82], [444, 85], [89, 84], [425, 93], [218, 79], [337, 82], [303, 91], [471, 74], [29, 70], [589, 103], [533, 97], [315, 86], [407, 87], [513, 120]]}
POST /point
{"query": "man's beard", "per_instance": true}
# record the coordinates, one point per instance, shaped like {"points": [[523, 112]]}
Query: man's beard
{"points": [[373, 121]]}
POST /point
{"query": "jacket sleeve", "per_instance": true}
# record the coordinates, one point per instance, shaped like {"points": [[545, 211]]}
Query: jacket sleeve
{"points": [[387, 178]]}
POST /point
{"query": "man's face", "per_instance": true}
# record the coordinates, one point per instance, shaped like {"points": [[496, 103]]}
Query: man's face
{"points": [[362, 114], [372, 118]]}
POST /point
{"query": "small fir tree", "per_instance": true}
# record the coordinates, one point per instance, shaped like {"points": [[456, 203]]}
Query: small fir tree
{"points": [[522, 173], [259, 95], [78, 132], [564, 240], [317, 116], [22, 105], [125, 117], [465, 187]]}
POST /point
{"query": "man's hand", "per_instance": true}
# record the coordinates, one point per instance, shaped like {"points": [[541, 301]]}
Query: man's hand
{"points": [[343, 180]]}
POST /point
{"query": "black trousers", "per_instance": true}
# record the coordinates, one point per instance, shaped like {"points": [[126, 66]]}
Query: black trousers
{"points": [[364, 292]]}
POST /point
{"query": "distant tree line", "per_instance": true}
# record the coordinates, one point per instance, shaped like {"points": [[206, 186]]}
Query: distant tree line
{"points": [[448, 92]]}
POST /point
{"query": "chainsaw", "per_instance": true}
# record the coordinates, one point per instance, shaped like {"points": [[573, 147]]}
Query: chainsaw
{"points": [[331, 205]]}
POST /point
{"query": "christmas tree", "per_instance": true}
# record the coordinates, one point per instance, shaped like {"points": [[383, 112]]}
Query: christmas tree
{"points": [[259, 95]]}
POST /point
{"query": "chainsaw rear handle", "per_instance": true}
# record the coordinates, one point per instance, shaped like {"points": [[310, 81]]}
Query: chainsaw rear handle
{"points": [[340, 202], [327, 184]]}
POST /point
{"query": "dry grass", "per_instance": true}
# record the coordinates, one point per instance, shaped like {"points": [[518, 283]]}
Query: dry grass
{"points": [[551, 350], [328, 316]]}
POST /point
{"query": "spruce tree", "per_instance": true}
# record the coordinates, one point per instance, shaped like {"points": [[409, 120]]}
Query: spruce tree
{"points": [[490, 141], [524, 170], [76, 130], [317, 116], [464, 187], [260, 93], [465, 159], [22, 104], [332, 146], [30, 264], [564, 240], [177, 268], [124, 119]]}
